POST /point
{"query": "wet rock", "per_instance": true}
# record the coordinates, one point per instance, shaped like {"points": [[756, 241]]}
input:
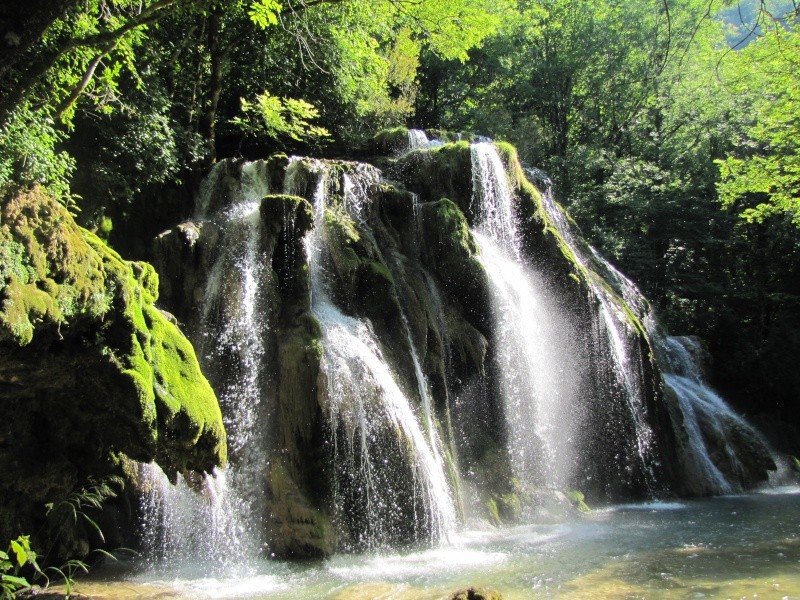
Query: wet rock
{"points": [[90, 369], [476, 593]]}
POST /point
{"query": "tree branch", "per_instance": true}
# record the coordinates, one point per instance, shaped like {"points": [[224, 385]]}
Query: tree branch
{"points": [[84, 82], [20, 89]]}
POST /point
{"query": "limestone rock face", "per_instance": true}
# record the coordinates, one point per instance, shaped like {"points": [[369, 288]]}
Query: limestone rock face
{"points": [[91, 371], [357, 311]]}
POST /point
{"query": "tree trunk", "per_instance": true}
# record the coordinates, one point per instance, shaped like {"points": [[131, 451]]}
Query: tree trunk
{"points": [[209, 117]]}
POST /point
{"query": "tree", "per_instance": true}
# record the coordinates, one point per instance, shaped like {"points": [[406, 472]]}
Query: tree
{"points": [[761, 178]]}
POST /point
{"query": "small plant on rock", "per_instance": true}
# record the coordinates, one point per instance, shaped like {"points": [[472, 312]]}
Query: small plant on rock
{"points": [[19, 556]]}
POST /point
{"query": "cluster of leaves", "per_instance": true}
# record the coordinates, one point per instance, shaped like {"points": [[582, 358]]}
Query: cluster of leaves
{"points": [[19, 565], [18, 556], [762, 177], [274, 117]]}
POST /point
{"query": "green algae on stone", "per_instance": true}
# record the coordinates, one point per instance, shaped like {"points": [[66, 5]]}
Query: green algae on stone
{"points": [[390, 141], [90, 368], [436, 173], [295, 528]]}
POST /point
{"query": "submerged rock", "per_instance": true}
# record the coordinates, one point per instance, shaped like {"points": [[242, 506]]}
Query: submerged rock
{"points": [[90, 370]]}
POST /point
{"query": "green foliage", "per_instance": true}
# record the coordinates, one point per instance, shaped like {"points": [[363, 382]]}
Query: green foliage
{"points": [[21, 557], [29, 154], [264, 13], [275, 117], [577, 498], [64, 516], [761, 179], [67, 513], [18, 556]]}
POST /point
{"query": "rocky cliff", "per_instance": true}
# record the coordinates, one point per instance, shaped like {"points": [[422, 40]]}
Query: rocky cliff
{"points": [[92, 374]]}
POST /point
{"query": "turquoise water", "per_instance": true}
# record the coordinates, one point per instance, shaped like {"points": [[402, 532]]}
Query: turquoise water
{"points": [[726, 547]]}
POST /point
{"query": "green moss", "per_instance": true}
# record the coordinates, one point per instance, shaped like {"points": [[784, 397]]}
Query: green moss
{"points": [[276, 170], [184, 399], [452, 227], [104, 228], [390, 141], [299, 354], [14, 263], [43, 252], [577, 498], [443, 135], [493, 512], [507, 152], [147, 278], [382, 271], [63, 282], [439, 173], [295, 528]]}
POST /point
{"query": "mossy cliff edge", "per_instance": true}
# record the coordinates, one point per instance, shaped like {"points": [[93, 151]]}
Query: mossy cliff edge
{"points": [[91, 372]]}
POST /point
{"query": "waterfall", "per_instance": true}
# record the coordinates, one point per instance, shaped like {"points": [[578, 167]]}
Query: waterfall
{"points": [[377, 436], [535, 354], [357, 451], [619, 338], [492, 203], [222, 525], [704, 415], [418, 140], [707, 417]]}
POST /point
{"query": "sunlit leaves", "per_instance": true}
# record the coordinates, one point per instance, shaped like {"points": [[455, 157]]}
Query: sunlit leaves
{"points": [[264, 13], [275, 117], [762, 179], [452, 27]]}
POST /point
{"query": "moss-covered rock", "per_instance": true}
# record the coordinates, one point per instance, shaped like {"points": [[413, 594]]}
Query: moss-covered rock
{"points": [[295, 528], [388, 142], [89, 367], [449, 251], [443, 172]]}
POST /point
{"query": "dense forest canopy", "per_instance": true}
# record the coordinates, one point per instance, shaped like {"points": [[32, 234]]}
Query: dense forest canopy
{"points": [[670, 128]]}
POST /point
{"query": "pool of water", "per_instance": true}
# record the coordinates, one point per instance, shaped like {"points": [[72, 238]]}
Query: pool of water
{"points": [[726, 547]]}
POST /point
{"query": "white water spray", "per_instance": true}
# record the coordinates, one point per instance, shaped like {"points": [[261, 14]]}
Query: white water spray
{"points": [[373, 423], [535, 353], [221, 526]]}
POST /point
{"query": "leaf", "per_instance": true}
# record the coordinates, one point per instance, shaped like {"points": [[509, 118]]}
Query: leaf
{"points": [[95, 526], [264, 13], [20, 552], [17, 581]]}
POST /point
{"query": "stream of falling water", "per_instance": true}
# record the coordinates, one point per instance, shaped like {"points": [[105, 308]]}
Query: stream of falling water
{"points": [[220, 527], [373, 423], [699, 402], [679, 368], [534, 350], [620, 345]]}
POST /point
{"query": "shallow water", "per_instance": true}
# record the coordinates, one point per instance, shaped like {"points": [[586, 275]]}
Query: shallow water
{"points": [[726, 547]]}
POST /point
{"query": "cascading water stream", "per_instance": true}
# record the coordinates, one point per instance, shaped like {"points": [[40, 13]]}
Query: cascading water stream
{"points": [[221, 526], [619, 337], [418, 140], [534, 353], [701, 408], [699, 403], [376, 434]]}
